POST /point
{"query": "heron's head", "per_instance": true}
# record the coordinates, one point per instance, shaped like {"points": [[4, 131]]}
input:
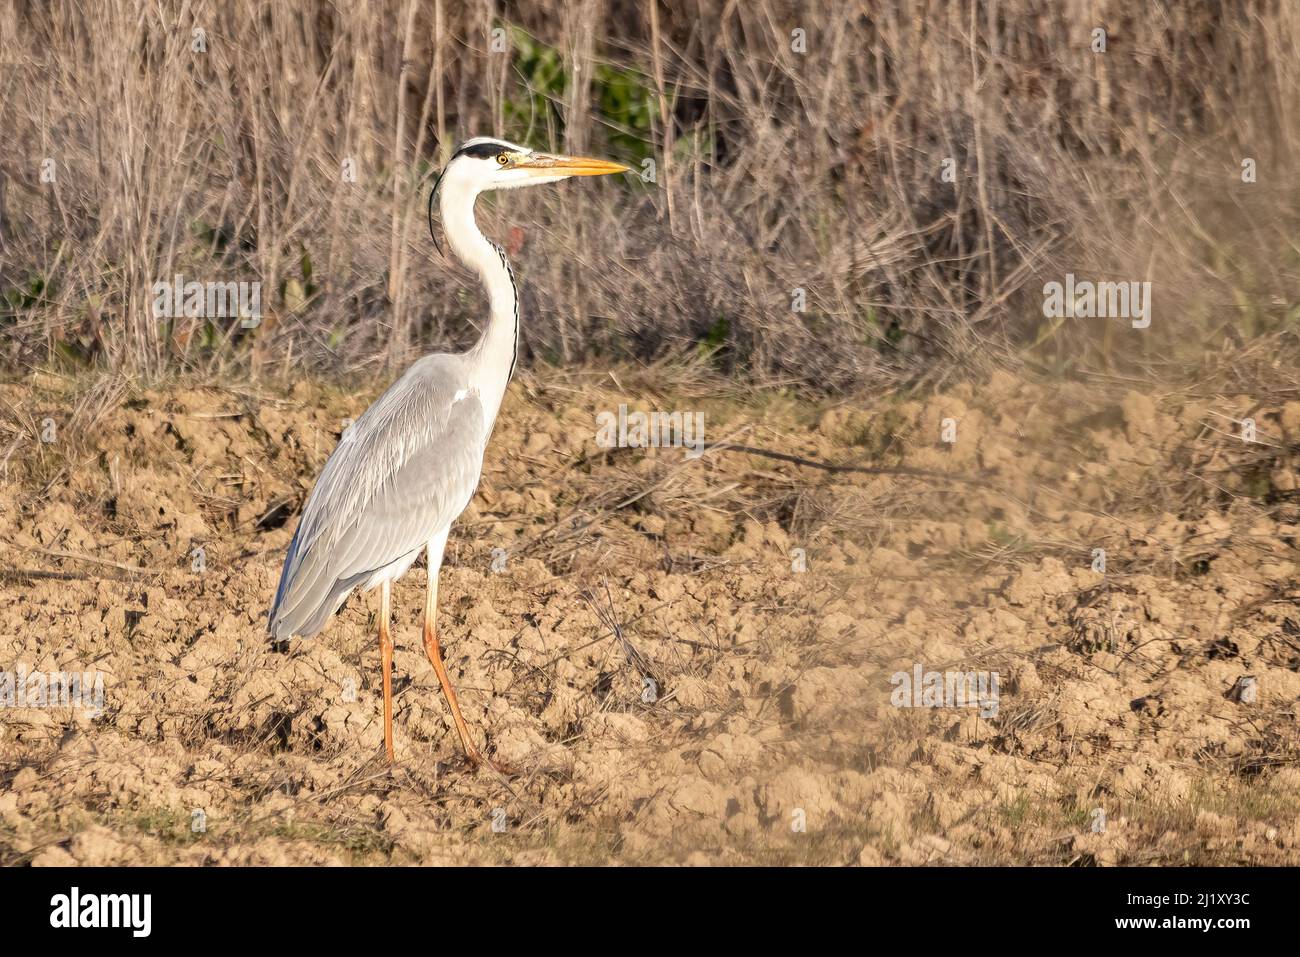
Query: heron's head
{"points": [[484, 163]]}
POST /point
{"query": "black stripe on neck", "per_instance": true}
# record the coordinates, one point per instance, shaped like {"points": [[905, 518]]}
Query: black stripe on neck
{"points": [[514, 289]]}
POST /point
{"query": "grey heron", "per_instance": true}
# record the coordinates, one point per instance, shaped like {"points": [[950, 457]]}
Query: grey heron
{"points": [[410, 464]]}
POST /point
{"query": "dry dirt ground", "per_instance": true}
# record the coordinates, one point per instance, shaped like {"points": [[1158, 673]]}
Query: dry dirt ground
{"points": [[141, 538]]}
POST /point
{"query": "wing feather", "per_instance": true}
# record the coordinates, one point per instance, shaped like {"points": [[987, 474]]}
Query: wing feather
{"points": [[401, 474]]}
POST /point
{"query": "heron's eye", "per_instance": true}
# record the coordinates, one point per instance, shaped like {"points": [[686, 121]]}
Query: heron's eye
{"points": [[503, 159]]}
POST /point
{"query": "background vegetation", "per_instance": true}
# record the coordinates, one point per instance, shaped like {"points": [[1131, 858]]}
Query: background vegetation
{"points": [[218, 155]]}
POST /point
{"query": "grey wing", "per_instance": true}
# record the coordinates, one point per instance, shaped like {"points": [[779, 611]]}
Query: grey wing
{"points": [[401, 475]]}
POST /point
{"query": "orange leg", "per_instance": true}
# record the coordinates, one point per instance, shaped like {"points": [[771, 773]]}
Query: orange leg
{"points": [[386, 655], [435, 658]]}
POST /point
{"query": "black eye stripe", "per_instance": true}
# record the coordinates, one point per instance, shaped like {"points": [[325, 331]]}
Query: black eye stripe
{"points": [[482, 150]]}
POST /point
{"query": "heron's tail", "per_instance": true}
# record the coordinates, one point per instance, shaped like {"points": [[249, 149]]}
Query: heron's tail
{"points": [[307, 615], [308, 594]]}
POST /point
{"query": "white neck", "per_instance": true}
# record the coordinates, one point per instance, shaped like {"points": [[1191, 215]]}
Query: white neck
{"points": [[492, 359]]}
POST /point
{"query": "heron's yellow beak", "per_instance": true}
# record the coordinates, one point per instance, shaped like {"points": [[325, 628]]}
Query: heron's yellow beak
{"points": [[546, 164]]}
